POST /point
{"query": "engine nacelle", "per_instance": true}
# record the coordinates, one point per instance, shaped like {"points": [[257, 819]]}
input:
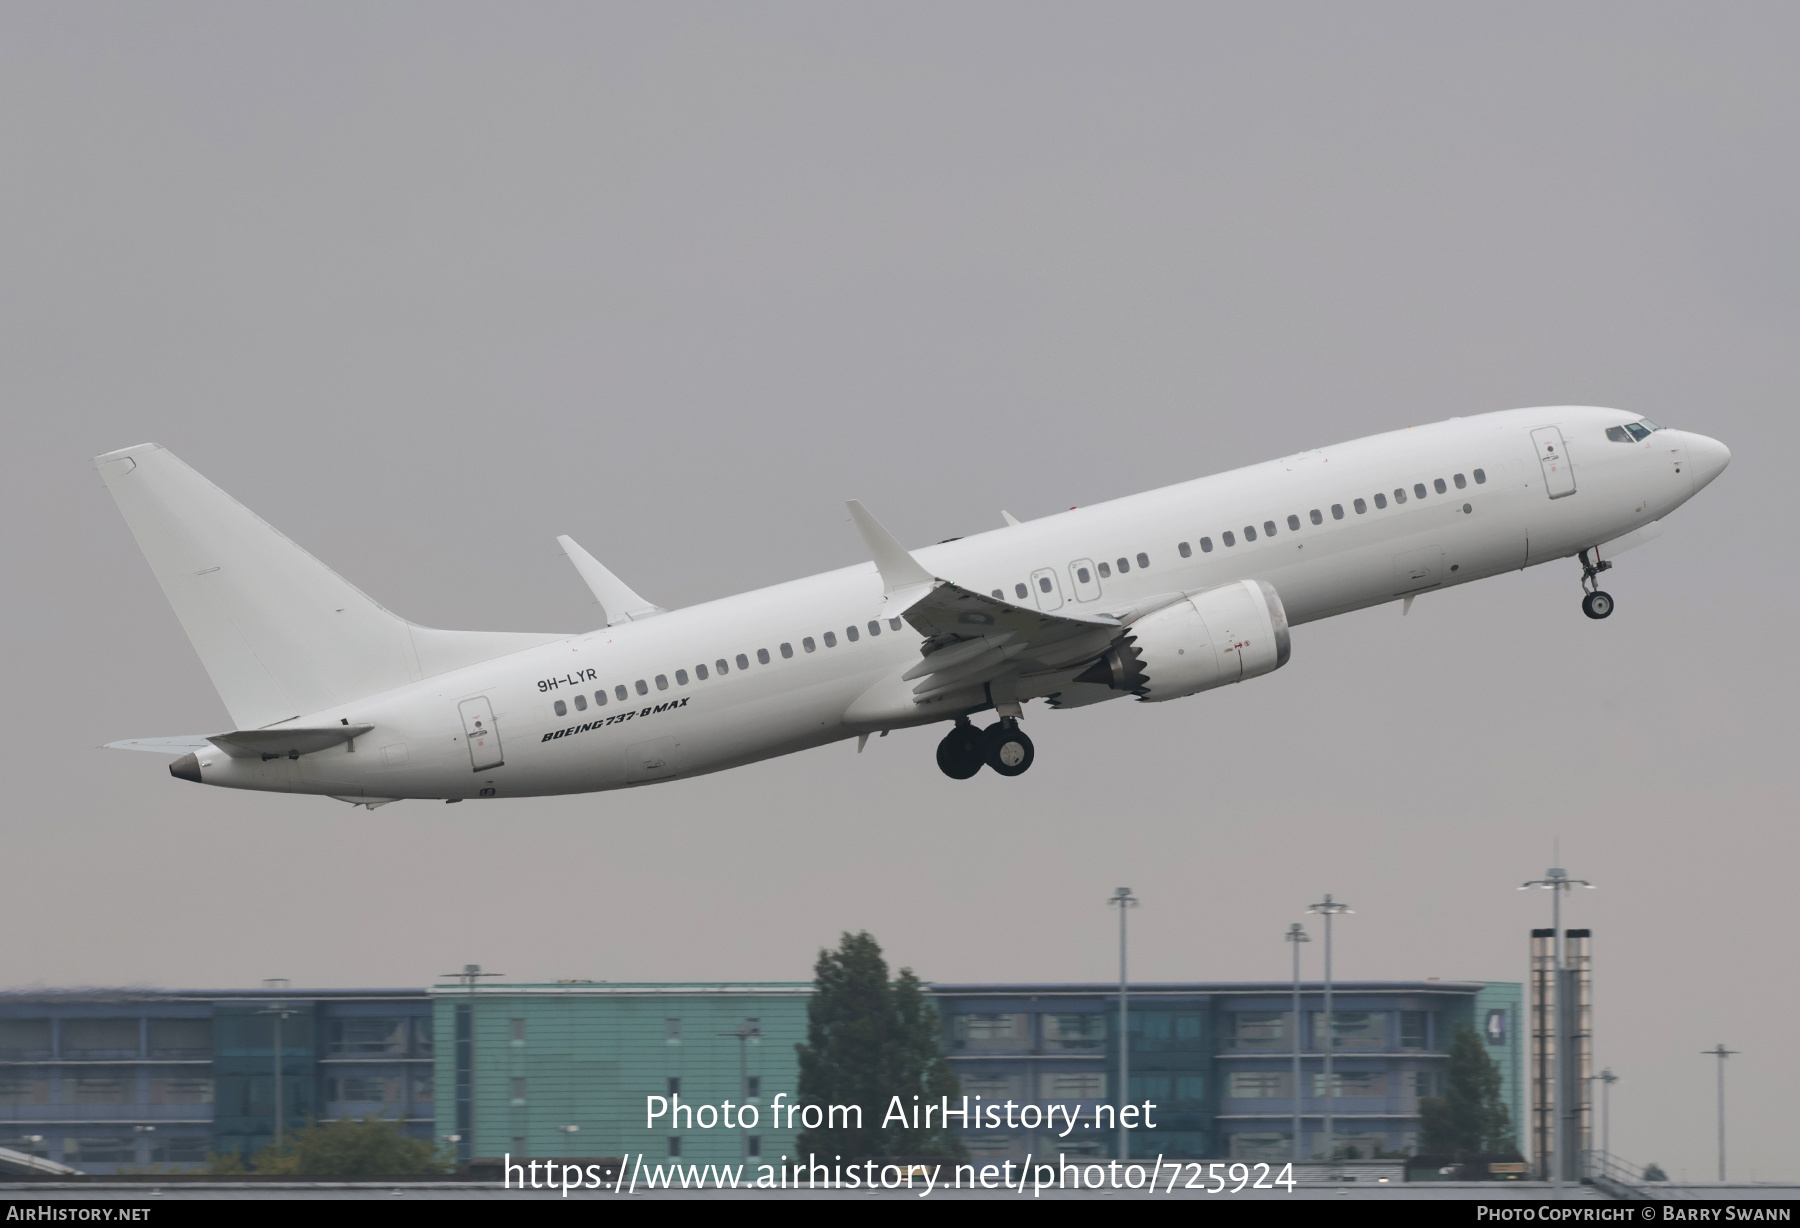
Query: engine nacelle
{"points": [[1213, 638]]}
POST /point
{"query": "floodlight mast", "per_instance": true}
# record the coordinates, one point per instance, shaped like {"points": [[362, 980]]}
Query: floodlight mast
{"points": [[1328, 908], [1556, 880], [1123, 900], [1721, 1052], [1296, 934]]}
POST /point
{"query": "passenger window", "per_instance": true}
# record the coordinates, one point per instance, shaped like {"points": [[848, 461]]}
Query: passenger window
{"points": [[1617, 434], [1105, 570], [1143, 560], [581, 703], [662, 682], [1268, 528], [743, 662], [1380, 500], [600, 699], [1419, 490], [1249, 532], [1316, 516], [1124, 565], [1228, 538], [1044, 583], [562, 709], [787, 651], [700, 673], [1019, 591], [620, 692], [1184, 550], [852, 634], [1206, 545], [1360, 507], [643, 688], [997, 595], [722, 666], [1480, 477], [1337, 511], [1460, 481], [808, 644], [1438, 485], [1083, 575], [894, 623], [874, 626], [831, 639], [681, 677], [762, 655], [1399, 494]]}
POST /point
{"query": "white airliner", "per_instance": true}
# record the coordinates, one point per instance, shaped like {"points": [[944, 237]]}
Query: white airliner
{"points": [[1158, 595]]}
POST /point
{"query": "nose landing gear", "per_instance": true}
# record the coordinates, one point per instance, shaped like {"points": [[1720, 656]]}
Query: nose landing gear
{"points": [[1595, 604], [1001, 746]]}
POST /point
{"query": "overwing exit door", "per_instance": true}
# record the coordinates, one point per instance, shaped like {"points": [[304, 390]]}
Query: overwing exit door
{"points": [[1045, 588], [1559, 478], [484, 737]]}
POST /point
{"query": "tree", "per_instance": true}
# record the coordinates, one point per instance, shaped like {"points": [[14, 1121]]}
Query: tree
{"points": [[367, 1148], [1654, 1172], [1470, 1118], [869, 1040]]}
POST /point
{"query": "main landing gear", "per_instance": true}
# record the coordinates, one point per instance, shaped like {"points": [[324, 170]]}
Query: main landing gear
{"points": [[1595, 604], [1002, 746]]}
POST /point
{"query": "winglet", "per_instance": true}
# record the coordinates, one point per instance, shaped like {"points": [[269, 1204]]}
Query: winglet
{"points": [[899, 570], [618, 604]]}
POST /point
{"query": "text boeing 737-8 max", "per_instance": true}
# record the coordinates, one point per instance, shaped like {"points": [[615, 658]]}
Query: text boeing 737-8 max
{"points": [[1158, 595]]}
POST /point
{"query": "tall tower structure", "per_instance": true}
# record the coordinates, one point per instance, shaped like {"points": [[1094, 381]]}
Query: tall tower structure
{"points": [[1562, 1009]]}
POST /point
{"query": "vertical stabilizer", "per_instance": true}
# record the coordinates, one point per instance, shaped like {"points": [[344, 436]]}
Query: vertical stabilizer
{"points": [[279, 633]]}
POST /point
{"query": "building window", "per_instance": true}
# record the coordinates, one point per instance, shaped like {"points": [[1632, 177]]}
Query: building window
{"points": [[979, 1030], [1351, 1083], [176, 1038], [675, 1147], [674, 1085], [672, 1029], [1412, 1029], [1072, 1085], [753, 1145], [1353, 1029], [752, 1086], [1261, 1030], [518, 1030], [1260, 1085], [1075, 1033], [518, 1090], [99, 1038], [366, 1037]]}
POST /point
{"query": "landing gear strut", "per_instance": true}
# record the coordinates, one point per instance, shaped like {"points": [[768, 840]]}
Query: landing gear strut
{"points": [[1595, 604]]}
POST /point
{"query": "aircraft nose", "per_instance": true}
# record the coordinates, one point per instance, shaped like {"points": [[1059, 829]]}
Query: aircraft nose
{"points": [[1708, 458]]}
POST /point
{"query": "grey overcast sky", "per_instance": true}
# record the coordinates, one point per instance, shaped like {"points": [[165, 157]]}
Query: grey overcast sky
{"points": [[428, 284]]}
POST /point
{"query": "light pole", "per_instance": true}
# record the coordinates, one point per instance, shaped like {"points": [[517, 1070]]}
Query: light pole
{"points": [[1124, 900], [1556, 880], [1328, 908], [277, 1012], [1607, 1079], [747, 1031], [463, 1050], [1296, 934], [1721, 1052]]}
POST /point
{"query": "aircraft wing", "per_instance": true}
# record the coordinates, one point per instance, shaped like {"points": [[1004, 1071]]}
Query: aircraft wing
{"points": [[972, 639]]}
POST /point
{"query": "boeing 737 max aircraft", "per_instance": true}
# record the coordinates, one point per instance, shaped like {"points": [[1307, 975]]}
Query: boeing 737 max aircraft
{"points": [[1159, 595]]}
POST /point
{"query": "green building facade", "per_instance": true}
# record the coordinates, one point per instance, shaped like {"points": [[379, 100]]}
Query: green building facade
{"points": [[519, 1065]]}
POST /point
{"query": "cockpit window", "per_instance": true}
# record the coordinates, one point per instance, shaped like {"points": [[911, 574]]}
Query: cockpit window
{"points": [[1639, 430], [1618, 434], [1646, 423]]}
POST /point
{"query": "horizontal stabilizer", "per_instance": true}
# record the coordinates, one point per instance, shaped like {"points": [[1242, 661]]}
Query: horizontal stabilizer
{"points": [[187, 744], [618, 603], [285, 743], [279, 633]]}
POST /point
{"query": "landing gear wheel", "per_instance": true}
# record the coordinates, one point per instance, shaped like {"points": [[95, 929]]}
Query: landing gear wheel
{"points": [[1006, 749], [1597, 604], [959, 755]]}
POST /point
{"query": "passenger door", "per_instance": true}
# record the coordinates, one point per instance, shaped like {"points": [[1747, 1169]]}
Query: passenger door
{"points": [[1087, 583], [1559, 477], [483, 735], [1045, 588]]}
